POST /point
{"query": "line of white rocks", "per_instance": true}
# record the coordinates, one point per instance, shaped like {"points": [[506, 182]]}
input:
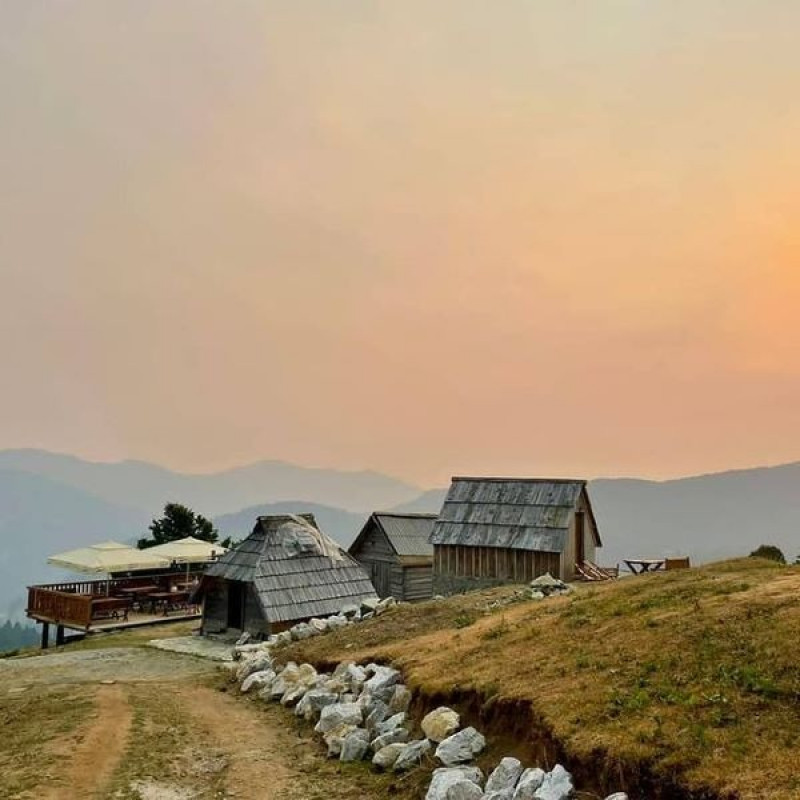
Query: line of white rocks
{"points": [[361, 712]]}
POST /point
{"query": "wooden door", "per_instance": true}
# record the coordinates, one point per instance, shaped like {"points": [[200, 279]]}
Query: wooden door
{"points": [[381, 578]]}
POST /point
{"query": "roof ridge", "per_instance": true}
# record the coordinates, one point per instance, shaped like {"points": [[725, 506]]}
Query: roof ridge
{"points": [[496, 479], [404, 514]]}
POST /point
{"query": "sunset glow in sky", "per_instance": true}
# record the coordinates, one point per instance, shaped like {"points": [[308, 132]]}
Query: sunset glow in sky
{"points": [[425, 238]]}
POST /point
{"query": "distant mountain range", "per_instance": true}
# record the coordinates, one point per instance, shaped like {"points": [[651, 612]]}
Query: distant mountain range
{"points": [[51, 502]]}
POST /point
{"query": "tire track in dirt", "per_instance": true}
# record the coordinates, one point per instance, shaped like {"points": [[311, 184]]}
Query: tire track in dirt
{"points": [[258, 758], [91, 753]]}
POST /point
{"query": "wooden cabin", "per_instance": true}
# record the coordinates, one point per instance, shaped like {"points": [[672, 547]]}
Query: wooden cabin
{"points": [[286, 571], [492, 531], [396, 552]]}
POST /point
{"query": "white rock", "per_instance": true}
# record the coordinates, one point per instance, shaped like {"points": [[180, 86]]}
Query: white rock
{"points": [[460, 747], [500, 794], [440, 723], [617, 796], [455, 783], [335, 739], [337, 714], [319, 625], [350, 610], [505, 775], [528, 784], [411, 755], [385, 758], [557, 785], [257, 680], [293, 695], [398, 735], [355, 745], [368, 605], [312, 703], [392, 724], [383, 678], [401, 698]]}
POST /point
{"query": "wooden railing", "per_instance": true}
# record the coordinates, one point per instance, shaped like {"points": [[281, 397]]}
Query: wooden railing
{"points": [[61, 607], [70, 602]]}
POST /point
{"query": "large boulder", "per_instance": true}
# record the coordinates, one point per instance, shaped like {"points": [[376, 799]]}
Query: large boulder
{"points": [[382, 682], [401, 698], [334, 739], [257, 662], [557, 785], [257, 680], [355, 745], [319, 625], [392, 724], [455, 783], [385, 758], [440, 723], [375, 712], [337, 714], [302, 631], [293, 695], [504, 776], [384, 604], [398, 735], [460, 747], [356, 676], [411, 755], [529, 783], [368, 605], [500, 794], [312, 703]]}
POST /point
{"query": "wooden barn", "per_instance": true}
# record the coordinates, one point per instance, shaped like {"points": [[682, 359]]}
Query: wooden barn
{"points": [[510, 530], [286, 571], [396, 552]]}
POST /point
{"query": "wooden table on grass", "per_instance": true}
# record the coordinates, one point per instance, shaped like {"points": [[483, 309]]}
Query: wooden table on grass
{"points": [[638, 566]]}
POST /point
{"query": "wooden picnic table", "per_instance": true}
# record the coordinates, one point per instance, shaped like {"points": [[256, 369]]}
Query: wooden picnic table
{"points": [[638, 566], [168, 600]]}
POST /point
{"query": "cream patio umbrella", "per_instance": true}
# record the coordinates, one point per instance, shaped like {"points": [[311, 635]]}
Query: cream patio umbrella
{"points": [[189, 551], [107, 557]]}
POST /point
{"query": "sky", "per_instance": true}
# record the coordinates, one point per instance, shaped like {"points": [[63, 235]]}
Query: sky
{"points": [[517, 237]]}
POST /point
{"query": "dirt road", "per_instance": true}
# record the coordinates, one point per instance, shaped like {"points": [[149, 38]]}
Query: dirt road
{"points": [[139, 724]]}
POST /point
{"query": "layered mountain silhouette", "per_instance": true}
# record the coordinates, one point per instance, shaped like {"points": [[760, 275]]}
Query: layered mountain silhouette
{"points": [[51, 502]]}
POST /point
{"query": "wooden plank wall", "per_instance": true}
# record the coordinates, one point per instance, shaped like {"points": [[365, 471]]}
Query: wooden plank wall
{"points": [[515, 566]]}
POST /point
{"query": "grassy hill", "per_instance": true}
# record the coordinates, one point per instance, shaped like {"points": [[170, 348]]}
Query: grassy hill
{"points": [[676, 685]]}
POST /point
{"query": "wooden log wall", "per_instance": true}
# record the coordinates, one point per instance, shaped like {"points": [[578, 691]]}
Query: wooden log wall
{"points": [[514, 566]]}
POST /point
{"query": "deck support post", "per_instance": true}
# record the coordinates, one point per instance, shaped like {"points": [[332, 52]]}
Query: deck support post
{"points": [[45, 635], [59, 635]]}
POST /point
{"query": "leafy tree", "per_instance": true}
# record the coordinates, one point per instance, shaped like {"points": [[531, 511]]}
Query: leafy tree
{"points": [[178, 522], [769, 551]]}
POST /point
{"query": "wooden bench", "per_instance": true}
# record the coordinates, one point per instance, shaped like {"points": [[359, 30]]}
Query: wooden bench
{"points": [[589, 571], [676, 563], [110, 608]]}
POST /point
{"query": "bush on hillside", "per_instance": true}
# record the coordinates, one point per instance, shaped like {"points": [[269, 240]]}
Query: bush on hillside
{"points": [[769, 551]]}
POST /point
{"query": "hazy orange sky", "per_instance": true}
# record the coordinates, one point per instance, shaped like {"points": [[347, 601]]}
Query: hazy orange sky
{"points": [[421, 237]]}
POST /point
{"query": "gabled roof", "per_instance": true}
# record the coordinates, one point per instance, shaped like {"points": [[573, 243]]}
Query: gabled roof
{"points": [[296, 569], [514, 513], [408, 534]]}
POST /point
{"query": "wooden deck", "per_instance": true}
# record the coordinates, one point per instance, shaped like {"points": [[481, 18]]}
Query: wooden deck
{"points": [[115, 604]]}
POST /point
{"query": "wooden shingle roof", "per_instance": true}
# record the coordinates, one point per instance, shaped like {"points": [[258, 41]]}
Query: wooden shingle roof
{"points": [[296, 569], [514, 513]]}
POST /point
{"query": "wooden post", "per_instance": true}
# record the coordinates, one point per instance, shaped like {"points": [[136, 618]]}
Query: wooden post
{"points": [[59, 635], [45, 635]]}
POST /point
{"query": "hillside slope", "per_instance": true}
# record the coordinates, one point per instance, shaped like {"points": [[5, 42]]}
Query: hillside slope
{"points": [[679, 685]]}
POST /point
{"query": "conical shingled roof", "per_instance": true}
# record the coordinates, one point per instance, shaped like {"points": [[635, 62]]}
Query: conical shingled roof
{"points": [[297, 570]]}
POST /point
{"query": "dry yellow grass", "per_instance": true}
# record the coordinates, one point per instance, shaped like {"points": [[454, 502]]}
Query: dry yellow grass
{"points": [[681, 681]]}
